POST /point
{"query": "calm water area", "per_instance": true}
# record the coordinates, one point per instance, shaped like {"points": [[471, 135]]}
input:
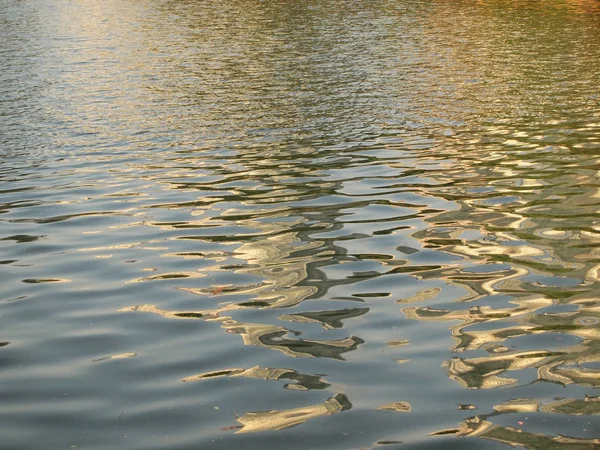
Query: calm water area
{"points": [[285, 224]]}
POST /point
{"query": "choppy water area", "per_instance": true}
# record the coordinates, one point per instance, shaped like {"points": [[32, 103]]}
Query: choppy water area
{"points": [[324, 224]]}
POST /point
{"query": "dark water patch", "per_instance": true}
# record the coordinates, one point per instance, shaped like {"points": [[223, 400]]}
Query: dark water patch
{"points": [[22, 238], [44, 280]]}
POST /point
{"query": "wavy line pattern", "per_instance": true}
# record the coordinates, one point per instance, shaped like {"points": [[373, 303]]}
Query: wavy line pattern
{"points": [[401, 199]]}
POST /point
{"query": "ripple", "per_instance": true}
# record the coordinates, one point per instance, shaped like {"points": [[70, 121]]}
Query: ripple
{"points": [[399, 198]]}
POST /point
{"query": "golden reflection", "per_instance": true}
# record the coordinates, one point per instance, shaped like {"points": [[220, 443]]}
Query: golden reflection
{"points": [[399, 343], [422, 295], [564, 365], [232, 149], [479, 313], [578, 6], [271, 258], [277, 420], [328, 319], [483, 373], [522, 224], [168, 276], [516, 437], [483, 426], [118, 356], [526, 231], [262, 335], [396, 406], [300, 381], [589, 405]]}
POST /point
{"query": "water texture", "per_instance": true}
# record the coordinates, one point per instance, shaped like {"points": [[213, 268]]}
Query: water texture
{"points": [[321, 224]]}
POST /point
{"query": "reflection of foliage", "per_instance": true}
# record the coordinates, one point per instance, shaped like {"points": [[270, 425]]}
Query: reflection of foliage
{"points": [[301, 381], [563, 366], [518, 437], [527, 232], [482, 426]]}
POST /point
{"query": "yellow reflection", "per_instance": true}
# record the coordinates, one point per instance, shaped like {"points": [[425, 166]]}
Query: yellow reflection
{"points": [[396, 406], [328, 319], [483, 373], [300, 381], [479, 313], [483, 426], [262, 335], [118, 356], [277, 420]]}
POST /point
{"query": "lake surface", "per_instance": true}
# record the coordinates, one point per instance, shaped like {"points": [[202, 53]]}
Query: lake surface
{"points": [[321, 224]]}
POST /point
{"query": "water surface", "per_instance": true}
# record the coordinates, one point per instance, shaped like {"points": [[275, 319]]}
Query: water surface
{"points": [[325, 224]]}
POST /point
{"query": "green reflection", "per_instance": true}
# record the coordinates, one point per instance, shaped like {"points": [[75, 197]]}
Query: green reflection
{"points": [[483, 426]]}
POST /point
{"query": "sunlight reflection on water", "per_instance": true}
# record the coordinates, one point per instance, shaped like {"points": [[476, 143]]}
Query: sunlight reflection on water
{"points": [[401, 199]]}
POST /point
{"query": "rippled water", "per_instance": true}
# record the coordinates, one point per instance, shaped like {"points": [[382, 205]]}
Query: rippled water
{"points": [[325, 224]]}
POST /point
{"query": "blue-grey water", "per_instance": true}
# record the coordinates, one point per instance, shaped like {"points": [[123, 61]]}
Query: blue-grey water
{"points": [[319, 224]]}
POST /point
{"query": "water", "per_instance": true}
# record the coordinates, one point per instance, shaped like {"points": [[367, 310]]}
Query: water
{"points": [[324, 224]]}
